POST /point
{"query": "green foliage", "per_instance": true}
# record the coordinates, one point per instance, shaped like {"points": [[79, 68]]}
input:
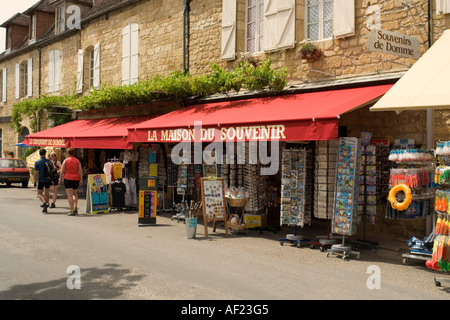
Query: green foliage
{"points": [[177, 85], [33, 108]]}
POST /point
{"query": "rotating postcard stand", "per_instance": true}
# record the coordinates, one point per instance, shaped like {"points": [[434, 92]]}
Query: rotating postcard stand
{"points": [[293, 193], [346, 197]]}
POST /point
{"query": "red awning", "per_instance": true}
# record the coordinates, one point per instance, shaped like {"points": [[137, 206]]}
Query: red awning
{"points": [[110, 133], [296, 117]]}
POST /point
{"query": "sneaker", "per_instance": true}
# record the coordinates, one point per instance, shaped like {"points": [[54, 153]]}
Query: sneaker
{"points": [[75, 211], [44, 210], [71, 213], [52, 205]]}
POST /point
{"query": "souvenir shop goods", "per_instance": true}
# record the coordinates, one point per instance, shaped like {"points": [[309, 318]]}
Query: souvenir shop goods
{"points": [[407, 198], [214, 205], [347, 195]]}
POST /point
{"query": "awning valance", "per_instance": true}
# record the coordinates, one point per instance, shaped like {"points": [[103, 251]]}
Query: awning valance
{"points": [[295, 117], [107, 133], [425, 85]]}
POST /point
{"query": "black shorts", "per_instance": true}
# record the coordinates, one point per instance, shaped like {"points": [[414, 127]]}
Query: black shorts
{"points": [[71, 184], [42, 185]]}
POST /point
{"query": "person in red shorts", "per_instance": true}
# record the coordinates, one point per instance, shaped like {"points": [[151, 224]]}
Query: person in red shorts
{"points": [[72, 173]]}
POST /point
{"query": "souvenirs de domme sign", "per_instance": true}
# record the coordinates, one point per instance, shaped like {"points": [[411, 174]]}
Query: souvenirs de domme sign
{"points": [[393, 43]]}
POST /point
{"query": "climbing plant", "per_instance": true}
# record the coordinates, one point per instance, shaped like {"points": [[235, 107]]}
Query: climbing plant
{"points": [[177, 85]]}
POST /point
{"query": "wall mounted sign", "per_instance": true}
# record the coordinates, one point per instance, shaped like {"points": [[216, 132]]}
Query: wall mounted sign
{"points": [[393, 43]]}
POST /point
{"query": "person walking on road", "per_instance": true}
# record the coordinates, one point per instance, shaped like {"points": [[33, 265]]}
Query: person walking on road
{"points": [[43, 180], [55, 181], [72, 173]]}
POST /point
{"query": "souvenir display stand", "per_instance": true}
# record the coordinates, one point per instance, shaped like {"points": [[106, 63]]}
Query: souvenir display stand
{"points": [[214, 206], [411, 194], [346, 199], [440, 258], [293, 189], [324, 189]]}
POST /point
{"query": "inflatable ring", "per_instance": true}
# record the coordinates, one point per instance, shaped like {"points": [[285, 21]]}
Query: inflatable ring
{"points": [[408, 197]]}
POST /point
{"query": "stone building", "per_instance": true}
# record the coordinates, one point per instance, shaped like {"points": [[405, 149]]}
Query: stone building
{"points": [[60, 47]]}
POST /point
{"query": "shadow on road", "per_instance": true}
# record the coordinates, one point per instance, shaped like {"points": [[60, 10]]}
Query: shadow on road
{"points": [[109, 282]]}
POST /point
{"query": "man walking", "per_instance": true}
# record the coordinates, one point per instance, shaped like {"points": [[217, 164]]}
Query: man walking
{"points": [[44, 182]]}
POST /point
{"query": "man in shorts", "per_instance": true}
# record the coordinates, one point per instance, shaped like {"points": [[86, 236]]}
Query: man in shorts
{"points": [[44, 183]]}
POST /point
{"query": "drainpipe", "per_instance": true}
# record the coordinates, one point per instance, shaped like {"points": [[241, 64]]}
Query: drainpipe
{"points": [[430, 112], [430, 121], [186, 9]]}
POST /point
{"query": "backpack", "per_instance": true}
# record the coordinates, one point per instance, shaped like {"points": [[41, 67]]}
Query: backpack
{"points": [[50, 170]]}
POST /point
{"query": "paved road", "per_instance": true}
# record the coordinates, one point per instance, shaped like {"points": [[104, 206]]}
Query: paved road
{"points": [[117, 259]]}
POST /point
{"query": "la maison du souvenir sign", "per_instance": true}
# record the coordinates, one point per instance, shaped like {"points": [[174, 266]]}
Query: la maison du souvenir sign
{"points": [[238, 133], [393, 43]]}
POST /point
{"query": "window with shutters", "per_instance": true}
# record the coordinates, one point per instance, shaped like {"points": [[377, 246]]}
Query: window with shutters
{"points": [[1, 85], [24, 80], [60, 19], [91, 68], [130, 54], [319, 19], [255, 26]]}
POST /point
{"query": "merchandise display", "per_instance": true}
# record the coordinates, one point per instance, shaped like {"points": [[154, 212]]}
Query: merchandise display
{"points": [[293, 185], [347, 187], [325, 178]]}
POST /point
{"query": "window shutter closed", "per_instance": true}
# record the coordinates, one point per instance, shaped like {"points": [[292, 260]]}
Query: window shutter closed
{"points": [[134, 53], [30, 78], [343, 18], [80, 71], [228, 30], [4, 85], [51, 71], [126, 55], [17, 81], [97, 66], [442, 6], [279, 24], [57, 69]]}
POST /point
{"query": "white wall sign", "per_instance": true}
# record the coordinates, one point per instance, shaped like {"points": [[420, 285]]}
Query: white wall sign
{"points": [[393, 43]]}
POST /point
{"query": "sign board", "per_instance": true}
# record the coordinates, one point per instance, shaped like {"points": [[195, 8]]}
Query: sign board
{"points": [[148, 202], [393, 43], [214, 205], [97, 196]]}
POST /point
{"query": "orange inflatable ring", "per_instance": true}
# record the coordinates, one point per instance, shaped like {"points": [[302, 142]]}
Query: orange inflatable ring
{"points": [[408, 197]]}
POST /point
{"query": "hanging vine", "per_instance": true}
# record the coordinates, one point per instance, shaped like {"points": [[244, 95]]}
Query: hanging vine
{"points": [[177, 85]]}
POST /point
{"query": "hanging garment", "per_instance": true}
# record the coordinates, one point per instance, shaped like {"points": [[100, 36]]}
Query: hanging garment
{"points": [[118, 190]]}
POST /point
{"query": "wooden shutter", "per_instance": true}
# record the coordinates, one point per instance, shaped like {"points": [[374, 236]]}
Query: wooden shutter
{"points": [[4, 85], [17, 81], [57, 69], [80, 71], [228, 30], [51, 71], [97, 66], [343, 18], [279, 24], [126, 55], [442, 6], [134, 53], [30, 78]]}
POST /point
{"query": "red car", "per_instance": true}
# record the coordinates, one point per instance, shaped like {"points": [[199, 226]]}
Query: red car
{"points": [[14, 171]]}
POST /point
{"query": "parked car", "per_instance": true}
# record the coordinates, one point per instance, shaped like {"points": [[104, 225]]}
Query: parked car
{"points": [[14, 171]]}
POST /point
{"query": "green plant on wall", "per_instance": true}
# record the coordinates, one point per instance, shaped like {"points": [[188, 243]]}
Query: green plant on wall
{"points": [[177, 85]]}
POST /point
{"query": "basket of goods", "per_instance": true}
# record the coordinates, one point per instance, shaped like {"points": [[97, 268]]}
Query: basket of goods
{"points": [[236, 197]]}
